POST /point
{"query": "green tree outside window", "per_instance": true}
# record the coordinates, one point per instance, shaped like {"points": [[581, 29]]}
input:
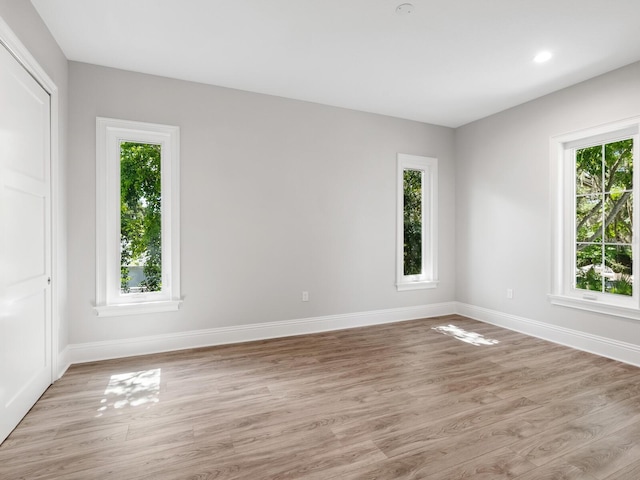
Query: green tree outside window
{"points": [[604, 215], [140, 215], [412, 222]]}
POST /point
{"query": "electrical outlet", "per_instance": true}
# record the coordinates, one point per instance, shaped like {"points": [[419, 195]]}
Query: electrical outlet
{"points": [[305, 296], [509, 293]]}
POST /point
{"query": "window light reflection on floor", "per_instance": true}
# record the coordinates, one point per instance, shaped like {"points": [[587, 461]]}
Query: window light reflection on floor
{"points": [[131, 389], [467, 337]]}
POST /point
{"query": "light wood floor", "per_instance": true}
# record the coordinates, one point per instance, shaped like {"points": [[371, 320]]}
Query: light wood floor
{"points": [[400, 401]]}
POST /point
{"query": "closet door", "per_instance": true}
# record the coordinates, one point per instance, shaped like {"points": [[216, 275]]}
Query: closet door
{"points": [[25, 242]]}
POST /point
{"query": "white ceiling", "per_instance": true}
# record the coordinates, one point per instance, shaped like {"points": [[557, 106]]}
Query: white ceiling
{"points": [[449, 62]]}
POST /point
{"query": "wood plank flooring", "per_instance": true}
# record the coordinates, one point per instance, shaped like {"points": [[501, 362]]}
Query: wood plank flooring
{"points": [[400, 401]]}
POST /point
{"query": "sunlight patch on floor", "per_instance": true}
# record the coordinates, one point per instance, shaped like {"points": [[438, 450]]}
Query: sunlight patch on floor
{"points": [[132, 389], [465, 336]]}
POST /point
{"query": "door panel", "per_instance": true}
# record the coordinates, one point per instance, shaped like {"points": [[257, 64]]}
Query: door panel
{"points": [[30, 312], [25, 242], [28, 234], [29, 119]]}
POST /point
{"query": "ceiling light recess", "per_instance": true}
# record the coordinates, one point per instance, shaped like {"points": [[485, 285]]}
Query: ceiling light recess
{"points": [[542, 57]]}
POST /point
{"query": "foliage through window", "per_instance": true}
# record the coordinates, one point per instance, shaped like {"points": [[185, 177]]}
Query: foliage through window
{"points": [[595, 222], [604, 217], [140, 217], [412, 219], [417, 222]]}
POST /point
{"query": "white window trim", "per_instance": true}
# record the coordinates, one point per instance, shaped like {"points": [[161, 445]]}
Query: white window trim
{"points": [[109, 134], [429, 276], [562, 170]]}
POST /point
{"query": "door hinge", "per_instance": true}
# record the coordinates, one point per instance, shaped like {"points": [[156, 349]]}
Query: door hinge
{"points": [[49, 281]]}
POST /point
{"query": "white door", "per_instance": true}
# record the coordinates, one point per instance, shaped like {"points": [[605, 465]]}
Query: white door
{"points": [[25, 242]]}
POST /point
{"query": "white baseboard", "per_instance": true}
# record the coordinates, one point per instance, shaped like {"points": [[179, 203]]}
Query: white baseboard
{"points": [[93, 351], [605, 347]]}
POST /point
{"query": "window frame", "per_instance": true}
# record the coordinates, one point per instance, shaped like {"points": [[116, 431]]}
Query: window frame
{"points": [[110, 133], [429, 276], [563, 196]]}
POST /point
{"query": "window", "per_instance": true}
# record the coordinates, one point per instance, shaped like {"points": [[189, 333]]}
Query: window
{"points": [[595, 219], [137, 248], [417, 222]]}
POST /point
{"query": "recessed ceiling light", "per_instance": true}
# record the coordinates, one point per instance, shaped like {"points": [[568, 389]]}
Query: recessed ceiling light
{"points": [[404, 9], [542, 57]]}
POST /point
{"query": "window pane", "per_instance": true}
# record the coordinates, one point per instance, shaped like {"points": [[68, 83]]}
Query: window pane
{"points": [[619, 166], [589, 267], [604, 217], [140, 218], [589, 170], [412, 222], [589, 218], [618, 269], [618, 217]]}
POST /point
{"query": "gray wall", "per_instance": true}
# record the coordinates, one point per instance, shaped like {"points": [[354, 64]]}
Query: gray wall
{"points": [[503, 205], [27, 25], [278, 196]]}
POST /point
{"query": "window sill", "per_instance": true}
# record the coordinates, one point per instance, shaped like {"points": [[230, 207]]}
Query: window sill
{"points": [[595, 306], [416, 285], [137, 308]]}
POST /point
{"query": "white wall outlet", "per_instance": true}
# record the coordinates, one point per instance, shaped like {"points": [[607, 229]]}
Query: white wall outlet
{"points": [[305, 296], [510, 293]]}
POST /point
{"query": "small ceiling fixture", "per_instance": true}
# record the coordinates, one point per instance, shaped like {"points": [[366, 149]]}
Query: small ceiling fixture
{"points": [[404, 9], [542, 57]]}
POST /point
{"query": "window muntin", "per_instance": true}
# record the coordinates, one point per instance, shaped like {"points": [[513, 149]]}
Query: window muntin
{"points": [[417, 215], [146, 145]]}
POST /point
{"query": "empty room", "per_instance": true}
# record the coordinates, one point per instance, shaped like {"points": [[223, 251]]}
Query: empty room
{"points": [[292, 239]]}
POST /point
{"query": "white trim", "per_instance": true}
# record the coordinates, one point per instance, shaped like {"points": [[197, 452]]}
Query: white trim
{"points": [[419, 285], [95, 351], [605, 347], [58, 246], [109, 134], [64, 363], [429, 276], [137, 308], [591, 304], [562, 201], [88, 352]]}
